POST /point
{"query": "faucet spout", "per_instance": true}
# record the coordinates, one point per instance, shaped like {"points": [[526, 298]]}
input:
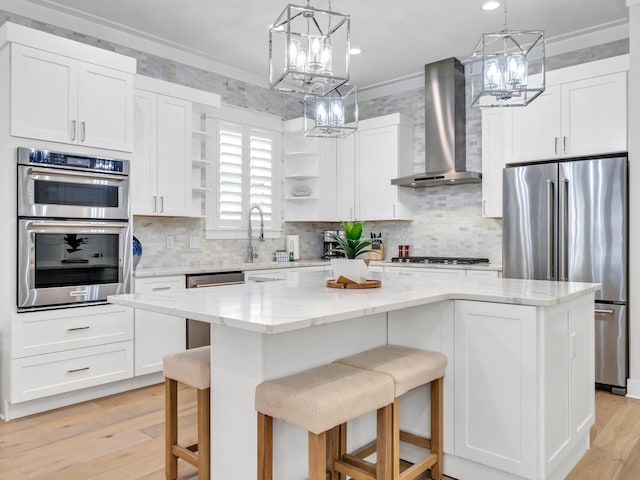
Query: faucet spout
{"points": [[251, 250]]}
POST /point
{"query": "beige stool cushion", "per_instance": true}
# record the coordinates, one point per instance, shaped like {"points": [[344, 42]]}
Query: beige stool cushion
{"points": [[324, 397], [191, 367], [409, 367]]}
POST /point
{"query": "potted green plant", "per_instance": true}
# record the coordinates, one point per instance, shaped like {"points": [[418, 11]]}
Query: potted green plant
{"points": [[351, 246]]}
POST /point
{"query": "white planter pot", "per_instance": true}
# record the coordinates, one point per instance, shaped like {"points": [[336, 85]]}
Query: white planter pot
{"points": [[355, 269]]}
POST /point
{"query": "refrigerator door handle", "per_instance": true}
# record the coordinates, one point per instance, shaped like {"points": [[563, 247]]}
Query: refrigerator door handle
{"points": [[604, 311], [550, 223], [564, 232]]}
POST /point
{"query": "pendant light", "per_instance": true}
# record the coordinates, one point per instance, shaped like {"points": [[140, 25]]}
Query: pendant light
{"points": [[309, 50], [508, 67], [334, 114]]}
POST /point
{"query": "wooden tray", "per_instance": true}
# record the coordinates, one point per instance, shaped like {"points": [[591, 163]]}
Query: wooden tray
{"points": [[368, 284]]}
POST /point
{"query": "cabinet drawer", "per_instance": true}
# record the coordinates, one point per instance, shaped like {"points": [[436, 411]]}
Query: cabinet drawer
{"points": [[482, 273], [54, 373], [36, 333], [159, 284]]}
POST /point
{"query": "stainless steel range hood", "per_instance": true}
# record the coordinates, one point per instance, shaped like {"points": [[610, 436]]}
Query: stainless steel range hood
{"points": [[445, 138]]}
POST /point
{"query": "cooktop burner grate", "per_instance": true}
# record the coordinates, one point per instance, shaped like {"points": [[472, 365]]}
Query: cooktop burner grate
{"points": [[440, 260]]}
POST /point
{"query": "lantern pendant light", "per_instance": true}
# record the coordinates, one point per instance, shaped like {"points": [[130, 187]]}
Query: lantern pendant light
{"points": [[508, 67], [309, 50], [334, 114]]}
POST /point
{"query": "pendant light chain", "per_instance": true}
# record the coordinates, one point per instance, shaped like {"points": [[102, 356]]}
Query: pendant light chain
{"points": [[505, 16]]}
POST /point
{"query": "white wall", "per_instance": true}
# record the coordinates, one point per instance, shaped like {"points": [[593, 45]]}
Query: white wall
{"points": [[633, 385]]}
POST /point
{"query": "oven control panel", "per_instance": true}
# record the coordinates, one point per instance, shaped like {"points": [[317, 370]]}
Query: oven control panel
{"points": [[30, 156]]}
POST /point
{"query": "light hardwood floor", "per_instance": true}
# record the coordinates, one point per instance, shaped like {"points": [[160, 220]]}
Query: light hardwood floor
{"points": [[121, 438]]}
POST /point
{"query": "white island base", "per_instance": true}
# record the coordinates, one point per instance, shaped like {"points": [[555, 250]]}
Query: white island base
{"points": [[518, 389]]}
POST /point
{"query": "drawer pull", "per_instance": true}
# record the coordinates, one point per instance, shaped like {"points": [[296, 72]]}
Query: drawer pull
{"points": [[78, 370], [77, 328], [157, 289]]}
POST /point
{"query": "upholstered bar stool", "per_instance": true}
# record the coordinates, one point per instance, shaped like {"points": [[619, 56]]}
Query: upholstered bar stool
{"points": [[410, 368], [193, 368], [321, 401]]}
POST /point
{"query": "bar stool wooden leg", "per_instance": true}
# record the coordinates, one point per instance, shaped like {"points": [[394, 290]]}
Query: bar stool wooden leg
{"points": [[384, 443], [171, 428], [395, 447], [204, 435], [436, 427], [318, 456], [333, 452], [265, 447]]}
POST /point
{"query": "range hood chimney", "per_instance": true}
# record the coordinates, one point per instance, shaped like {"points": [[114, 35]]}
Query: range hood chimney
{"points": [[445, 137]]}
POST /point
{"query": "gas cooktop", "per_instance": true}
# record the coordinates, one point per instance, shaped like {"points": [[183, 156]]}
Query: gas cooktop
{"points": [[440, 260]]}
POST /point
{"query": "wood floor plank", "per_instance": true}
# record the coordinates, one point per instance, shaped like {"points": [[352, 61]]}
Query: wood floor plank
{"points": [[614, 443], [121, 437]]}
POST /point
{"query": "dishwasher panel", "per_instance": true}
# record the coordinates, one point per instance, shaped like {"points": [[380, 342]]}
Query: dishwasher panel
{"points": [[199, 333]]}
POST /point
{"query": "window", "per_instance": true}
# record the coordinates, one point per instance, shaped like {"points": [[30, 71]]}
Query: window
{"points": [[246, 173]]}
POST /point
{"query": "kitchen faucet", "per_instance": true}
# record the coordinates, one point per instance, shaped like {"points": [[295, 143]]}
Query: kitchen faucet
{"points": [[251, 252]]}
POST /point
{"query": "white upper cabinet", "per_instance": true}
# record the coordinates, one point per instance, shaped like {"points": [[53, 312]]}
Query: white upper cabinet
{"points": [[61, 99], [161, 169], [535, 130], [583, 111], [493, 161], [168, 148], [309, 175], [574, 117], [383, 151], [349, 178], [594, 115], [346, 179]]}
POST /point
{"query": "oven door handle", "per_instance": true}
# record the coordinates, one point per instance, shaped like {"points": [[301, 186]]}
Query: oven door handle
{"points": [[65, 225], [46, 174]]}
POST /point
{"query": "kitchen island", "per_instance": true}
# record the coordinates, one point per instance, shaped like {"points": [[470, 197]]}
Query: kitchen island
{"points": [[519, 384]]}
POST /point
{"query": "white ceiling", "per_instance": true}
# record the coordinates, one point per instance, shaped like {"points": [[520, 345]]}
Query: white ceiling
{"points": [[397, 38]]}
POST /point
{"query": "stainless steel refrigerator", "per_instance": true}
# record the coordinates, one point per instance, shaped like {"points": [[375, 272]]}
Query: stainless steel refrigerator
{"points": [[567, 221]]}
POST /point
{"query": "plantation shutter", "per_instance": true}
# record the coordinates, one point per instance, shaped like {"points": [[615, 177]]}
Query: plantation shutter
{"points": [[246, 171], [230, 183], [261, 173]]}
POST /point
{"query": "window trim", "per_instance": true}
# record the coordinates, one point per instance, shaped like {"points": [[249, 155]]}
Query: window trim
{"points": [[248, 121]]}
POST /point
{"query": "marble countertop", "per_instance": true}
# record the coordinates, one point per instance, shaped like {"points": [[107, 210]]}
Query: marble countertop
{"points": [[477, 266], [215, 268], [168, 271], [302, 300]]}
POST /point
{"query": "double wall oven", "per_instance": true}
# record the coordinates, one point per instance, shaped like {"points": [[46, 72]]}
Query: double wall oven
{"points": [[74, 234]]}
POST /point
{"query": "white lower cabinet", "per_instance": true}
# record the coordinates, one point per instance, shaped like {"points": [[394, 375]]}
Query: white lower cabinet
{"points": [[473, 273], [496, 386], [524, 387], [274, 274], [43, 375], [59, 351], [432, 272], [36, 333], [157, 334], [445, 272]]}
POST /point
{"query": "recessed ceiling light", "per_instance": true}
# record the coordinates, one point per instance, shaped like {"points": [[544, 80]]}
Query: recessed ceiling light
{"points": [[355, 51], [490, 5]]}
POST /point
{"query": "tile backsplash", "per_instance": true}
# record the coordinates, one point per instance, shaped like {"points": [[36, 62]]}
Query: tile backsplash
{"points": [[447, 220]]}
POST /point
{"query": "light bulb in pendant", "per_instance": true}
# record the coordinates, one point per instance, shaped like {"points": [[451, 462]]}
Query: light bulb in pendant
{"points": [[301, 61], [337, 113], [492, 80], [321, 114], [325, 58], [315, 49], [293, 54]]}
